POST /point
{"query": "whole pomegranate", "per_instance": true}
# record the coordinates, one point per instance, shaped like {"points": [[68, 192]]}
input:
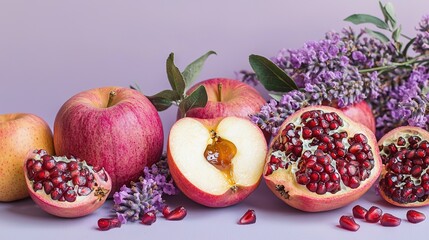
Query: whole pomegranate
{"points": [[65, 187], [404, 178], [321, 160]]}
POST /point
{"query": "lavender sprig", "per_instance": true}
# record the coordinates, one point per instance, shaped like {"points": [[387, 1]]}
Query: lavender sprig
{"points": [[130, 203]]}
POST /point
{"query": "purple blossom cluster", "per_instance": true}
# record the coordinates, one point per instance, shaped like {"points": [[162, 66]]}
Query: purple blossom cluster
{"points": [[340, 70], [130, 203], [421, 44]]}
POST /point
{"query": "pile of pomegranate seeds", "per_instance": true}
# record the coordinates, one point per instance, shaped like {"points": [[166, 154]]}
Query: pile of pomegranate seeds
{"points": [[374, 215]]}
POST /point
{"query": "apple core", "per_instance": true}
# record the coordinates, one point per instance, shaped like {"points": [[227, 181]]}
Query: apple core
{"points": [[220, 153]]}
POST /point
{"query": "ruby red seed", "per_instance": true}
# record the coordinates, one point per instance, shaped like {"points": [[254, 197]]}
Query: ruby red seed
{"points": [[249, 217], [348, 222], [414, 216], [359, 212], [388, 220], [373, 215]]}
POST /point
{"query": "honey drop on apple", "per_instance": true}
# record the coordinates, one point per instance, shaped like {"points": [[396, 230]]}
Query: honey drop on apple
{"points": [[220, 153]]}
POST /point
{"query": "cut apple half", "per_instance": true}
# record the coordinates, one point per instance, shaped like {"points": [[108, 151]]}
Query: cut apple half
{"points": [[216, 162]]}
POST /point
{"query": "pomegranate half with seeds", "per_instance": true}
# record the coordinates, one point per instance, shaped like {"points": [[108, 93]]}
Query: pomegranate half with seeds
{"points": [[65, 187], [321, 160], [404, 178]]}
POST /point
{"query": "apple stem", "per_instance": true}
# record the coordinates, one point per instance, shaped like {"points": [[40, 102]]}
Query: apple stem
{"points": [[111, 95], [219, 92]]}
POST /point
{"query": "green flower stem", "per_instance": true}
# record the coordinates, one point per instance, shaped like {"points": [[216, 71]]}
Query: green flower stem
{"points": [[394, 65]]}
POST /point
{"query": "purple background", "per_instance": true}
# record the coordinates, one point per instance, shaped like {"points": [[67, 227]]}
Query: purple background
{"points": [[51, 50]]}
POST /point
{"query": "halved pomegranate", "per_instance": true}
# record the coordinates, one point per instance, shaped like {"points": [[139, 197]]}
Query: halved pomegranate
{"points": [[65, 187], [404, 178], [321, 160]]}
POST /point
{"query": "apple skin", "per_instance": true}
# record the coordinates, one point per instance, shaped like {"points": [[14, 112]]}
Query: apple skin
{"points": [[238, 99], [20, 133], [123, 138], [229, 197]]}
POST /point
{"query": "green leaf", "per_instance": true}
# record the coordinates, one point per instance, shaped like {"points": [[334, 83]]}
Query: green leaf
{"points": [[164, 99], [396, 34], [378, 35], [270, 75], [276, 96], [192, 70], [174, 76], [390, 10], [198, 98], [365, 18]]}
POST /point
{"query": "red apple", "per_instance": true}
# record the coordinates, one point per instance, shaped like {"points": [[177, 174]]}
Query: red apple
{"points": [[216, 162], [112, 127], [19, 134], [227, 97]]}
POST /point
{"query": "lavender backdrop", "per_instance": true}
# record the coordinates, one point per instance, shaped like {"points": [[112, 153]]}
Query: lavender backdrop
{"points": [[51, 50]]}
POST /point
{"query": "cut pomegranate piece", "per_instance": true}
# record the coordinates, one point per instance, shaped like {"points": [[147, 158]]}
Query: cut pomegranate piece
{"points": [[405, 177], [348, 222], [321, 160], [414, 216], [178, 213], [65, 187], [149, 218], [249, 217], [359, 212], [388, 220], [373, 215]]}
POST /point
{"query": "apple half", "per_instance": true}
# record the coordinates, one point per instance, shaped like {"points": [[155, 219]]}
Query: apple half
{"points": [[216, 162]]}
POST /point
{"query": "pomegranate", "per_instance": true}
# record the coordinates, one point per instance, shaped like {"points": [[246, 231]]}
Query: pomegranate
{"points": [[65, 187], [374, 214], [178, 213], [321, 160], [149, 218], [359, 212], [404, 178]]}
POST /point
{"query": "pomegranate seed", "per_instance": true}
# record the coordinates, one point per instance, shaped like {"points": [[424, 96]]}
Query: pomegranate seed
{"points": [[359, 212], [149, 218], [177, 214], [41, 152], [249, 217], [374, 214], [348, 222], [105, 224], [166, 211], [48, 162], [414, 216], [388, 220]]}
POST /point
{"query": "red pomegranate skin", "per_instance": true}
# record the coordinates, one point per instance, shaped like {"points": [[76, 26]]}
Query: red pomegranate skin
{"points": [[361, 112], [122, 138]]}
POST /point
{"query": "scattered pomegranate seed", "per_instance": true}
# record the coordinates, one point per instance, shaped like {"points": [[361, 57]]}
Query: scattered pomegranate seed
{"points": [[149, 218], [414, 216], [359, 212], [374, 214], [249, 217], [105, 224], [166, 210], [348, 222], [176, 214], [388, 220]]}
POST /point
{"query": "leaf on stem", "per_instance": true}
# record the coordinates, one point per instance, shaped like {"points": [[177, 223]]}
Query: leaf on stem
{"points": [[270, 75], [174, 76], [192, 70], [365, 18], [198, 98], [164, 99], [377, 35]]}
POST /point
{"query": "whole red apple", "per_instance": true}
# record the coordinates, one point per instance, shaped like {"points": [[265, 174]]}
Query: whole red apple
{"points": [[227, 97], [112, 127], [20, 133], [216, 162]]}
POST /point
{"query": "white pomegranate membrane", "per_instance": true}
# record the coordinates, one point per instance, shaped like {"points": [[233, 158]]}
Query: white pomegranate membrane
{"points": [[321, 154], [405, 177]]}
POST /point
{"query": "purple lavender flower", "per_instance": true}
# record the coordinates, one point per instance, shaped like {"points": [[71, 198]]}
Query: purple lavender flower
{"points": [[421, 44], [130, 203]]}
